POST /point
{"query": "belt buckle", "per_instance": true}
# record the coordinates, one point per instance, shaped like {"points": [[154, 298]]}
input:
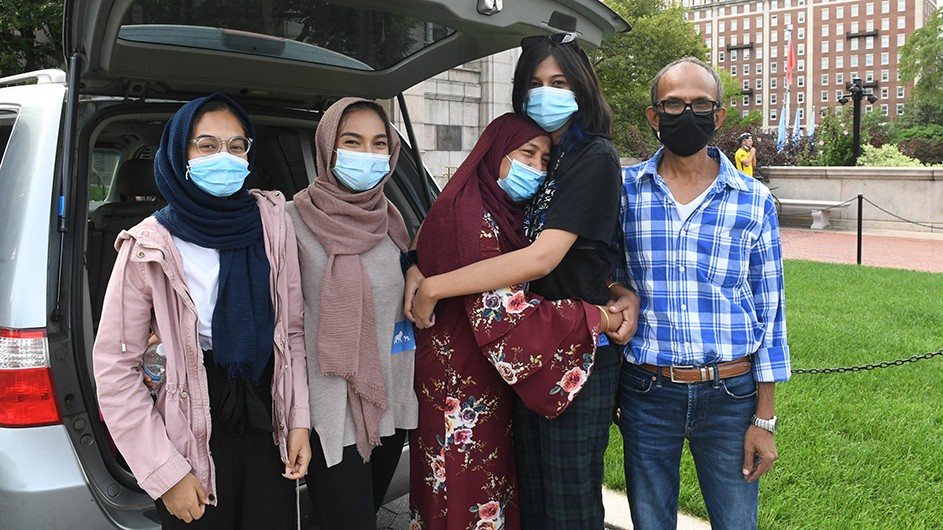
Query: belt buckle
{"points": [[671, 372], [707, 373]]}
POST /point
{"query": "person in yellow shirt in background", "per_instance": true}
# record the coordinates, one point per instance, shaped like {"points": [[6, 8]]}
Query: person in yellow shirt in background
{"points": [[745, 157]]}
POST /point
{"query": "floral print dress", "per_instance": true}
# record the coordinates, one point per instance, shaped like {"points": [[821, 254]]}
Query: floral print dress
{"points": [[482, 349]]}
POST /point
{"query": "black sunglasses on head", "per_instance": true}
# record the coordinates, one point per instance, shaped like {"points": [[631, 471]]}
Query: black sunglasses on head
{"points": [[555, 38]]}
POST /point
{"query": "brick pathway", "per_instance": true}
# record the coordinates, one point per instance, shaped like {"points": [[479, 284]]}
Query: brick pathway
{"points": [[899, 250]]}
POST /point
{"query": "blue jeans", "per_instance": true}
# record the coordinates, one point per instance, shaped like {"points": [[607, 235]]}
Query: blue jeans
{"points": [[656, 417]]}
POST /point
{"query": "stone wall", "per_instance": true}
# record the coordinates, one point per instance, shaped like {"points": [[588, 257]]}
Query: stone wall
{"points": [[915, 194]]}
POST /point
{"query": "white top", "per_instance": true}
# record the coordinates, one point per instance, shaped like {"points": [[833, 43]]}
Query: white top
{"points": [[201, 267], [685, 210]]}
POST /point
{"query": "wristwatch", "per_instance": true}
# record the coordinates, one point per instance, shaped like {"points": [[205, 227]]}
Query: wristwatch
{"points": [[766, 425]]}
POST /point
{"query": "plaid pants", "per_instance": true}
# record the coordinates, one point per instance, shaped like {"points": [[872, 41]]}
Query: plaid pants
{"points": [[560, 461]]}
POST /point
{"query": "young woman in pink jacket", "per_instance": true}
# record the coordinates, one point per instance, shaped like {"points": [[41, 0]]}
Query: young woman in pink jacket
{"points": [[215, 275]]}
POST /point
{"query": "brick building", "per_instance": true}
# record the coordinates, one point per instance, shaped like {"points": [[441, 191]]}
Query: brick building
{"points": [[833, 42]]}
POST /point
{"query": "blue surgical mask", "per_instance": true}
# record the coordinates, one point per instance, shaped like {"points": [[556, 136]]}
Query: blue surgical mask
{"points": [[360, 171], [550, 107], [221, 174], [522, 181]]}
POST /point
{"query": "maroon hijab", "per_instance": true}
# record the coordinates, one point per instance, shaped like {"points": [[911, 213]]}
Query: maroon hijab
{"points": [[451, 233]]}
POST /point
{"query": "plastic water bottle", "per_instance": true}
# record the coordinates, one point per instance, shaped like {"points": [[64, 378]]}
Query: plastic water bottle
{"points": [[155, 363]]}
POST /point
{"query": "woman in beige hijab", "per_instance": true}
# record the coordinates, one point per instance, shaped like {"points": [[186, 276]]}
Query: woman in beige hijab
{"points": [[359, 344]]}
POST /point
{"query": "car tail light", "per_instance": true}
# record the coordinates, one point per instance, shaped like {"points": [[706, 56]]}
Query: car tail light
{"points": [[27, 398]]}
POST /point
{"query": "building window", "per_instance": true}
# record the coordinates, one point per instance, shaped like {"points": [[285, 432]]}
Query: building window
{"points": [[758, 38], [733, 102], [885, 6], [824, 63], [868, 77], [720, 57], [733, 70], [759, 84], [900, 92], [884, 93], [733, 53], [759, 22], [824, 79], [746, 84], [824, 46], [746, 23], [774, 36], [839, 29], [772, 115], [869, 8], [772, 82], [884, 109], [854, 27], [838, 94], [721, 41], [733, 23], [839, 45], [900, 39], [854, 10], [773, 52], [825, 13], [901, 22], [840, 61], [758, 99], [868, 108], [746, 54], [772, 99], [869, 25], [800, 81], [840, 78], [800, 65], [869, 43], [746, 69], [869, 59], [800, 49], [885, 24], [885, 41], [900, 109], [787, 19], [825, 30], [901, 5], [722, 26], [884, 75], [854, 44], [746, 100], [800, 97], [758, 68], [772, 68], [801, 18], [839, 14], [825, 95]]}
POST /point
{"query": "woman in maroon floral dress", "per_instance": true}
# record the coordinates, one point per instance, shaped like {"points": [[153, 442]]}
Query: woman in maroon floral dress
{"points": [[485, 347]]}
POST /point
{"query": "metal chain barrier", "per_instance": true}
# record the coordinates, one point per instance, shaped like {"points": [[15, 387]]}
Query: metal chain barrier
{"points": [[866, 367], [932, 227]]}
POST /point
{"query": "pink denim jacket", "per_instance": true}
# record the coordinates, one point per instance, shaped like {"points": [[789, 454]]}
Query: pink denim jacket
{"points": [[164, 441]]}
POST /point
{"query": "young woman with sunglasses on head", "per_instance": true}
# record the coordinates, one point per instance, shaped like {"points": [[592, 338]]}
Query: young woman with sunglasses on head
{"points": [[572, 222], [215, 275], [360, 347]]}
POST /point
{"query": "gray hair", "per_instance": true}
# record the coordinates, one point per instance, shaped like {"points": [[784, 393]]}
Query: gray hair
{"points": [[691, 60]]}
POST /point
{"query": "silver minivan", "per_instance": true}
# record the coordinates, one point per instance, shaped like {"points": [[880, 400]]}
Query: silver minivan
{"points": [[77, 167]]}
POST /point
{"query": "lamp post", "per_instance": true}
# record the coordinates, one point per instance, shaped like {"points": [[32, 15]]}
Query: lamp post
{"points": [[856, 92]]}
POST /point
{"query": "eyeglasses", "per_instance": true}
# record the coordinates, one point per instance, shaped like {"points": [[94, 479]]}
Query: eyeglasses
{"points": [[210, 145], [555, 38], [676, 106]]}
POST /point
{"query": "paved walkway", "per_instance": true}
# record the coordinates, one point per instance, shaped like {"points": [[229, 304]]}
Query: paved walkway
{"points": [[920, 251]]}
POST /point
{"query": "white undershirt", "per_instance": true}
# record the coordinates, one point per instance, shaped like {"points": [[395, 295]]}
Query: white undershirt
{"points": [[685, 210], [201, 268]]}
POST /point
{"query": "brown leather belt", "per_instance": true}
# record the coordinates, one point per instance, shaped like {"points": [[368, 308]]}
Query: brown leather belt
{"points": [[700, 374]]}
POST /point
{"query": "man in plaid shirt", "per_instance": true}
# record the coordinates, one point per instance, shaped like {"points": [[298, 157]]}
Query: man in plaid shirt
{"points": [[703, 253]]}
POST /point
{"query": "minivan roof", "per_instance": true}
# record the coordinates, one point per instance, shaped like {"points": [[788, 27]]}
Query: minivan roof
{"points": [[300, 53]]}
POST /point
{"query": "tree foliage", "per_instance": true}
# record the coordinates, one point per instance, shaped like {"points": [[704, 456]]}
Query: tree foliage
{"points": [[885, 156], [833, 144], [626, 64], [30, 35], [921, 60]]}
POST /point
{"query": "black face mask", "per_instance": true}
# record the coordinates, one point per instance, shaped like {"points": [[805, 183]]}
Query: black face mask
{"points": [[686, 133]]}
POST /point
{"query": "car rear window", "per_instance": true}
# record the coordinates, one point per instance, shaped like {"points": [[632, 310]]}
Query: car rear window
{"points": [[316, 31]]}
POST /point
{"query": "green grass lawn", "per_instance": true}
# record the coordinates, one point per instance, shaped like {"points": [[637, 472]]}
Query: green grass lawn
{"points": [[856, 450]]}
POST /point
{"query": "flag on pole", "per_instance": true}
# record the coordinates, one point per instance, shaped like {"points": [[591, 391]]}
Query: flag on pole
{"points": [[783, 116], [790, 62], [812, 122], [795, 128]]}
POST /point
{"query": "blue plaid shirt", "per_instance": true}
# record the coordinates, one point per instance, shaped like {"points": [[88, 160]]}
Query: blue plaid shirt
{"points": [[711, 286]]}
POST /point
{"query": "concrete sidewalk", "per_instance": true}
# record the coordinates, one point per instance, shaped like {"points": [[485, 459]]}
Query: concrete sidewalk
{"points": [[618, 516], [919, 251]]}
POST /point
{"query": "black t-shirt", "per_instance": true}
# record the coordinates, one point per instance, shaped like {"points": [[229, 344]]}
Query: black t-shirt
{"points": [[581, 196]]}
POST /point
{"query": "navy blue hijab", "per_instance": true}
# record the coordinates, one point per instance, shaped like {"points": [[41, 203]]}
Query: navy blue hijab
{"points": [[244, 320]]}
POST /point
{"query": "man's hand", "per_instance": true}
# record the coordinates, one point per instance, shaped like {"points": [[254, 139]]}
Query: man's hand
{"points": [[759, 452], [413, 279], [299, 454], [186, 499], [628, 305]]}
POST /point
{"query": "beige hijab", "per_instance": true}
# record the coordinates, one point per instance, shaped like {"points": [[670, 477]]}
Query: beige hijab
{"points": [[347, 224]]}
